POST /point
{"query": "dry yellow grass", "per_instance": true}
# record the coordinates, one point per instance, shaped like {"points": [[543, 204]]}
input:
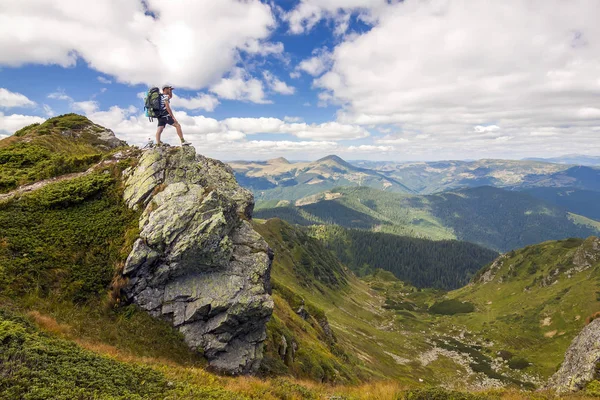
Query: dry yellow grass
{"points": [[264, 389]]}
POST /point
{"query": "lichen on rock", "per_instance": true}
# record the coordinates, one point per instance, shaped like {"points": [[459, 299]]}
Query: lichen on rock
{"points": [[198, 262]]}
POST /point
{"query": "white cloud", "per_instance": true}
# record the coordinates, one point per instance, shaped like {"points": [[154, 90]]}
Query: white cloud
{"points": [[60, 95], [481, 78], [48, 110], [190, 43], [316, 65], [202, 101], [87, 107], [278, 85], [309, 12], [275, 147], [12, 123], [240, 86], [10, 99], [366, 148], [254, 125], [488, 128], [326, 131], [104, 80], [263, 48], [391, 139]]}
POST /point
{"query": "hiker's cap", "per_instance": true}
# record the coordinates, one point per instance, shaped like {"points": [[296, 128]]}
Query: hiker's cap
{"points": [[167, 87]]}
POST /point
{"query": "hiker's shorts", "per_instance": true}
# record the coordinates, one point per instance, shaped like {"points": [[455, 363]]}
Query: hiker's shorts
{"points": [[163, 121]]}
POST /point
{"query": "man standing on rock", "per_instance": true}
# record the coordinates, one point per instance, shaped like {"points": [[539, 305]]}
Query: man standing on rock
{"points": [[167, 117]]}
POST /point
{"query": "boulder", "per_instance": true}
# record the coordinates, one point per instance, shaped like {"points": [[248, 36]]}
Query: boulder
{"points": [[198, 262], [581, 360]]}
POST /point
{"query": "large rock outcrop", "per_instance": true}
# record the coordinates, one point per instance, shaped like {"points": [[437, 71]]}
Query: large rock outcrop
{"points": [[198, 262], [581, 360]]}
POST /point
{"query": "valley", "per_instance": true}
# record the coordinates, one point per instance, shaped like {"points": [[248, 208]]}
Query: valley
{"points": [[364, 304]]}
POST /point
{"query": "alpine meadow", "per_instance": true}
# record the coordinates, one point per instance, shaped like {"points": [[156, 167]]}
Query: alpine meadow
{"points": [[300, 199]]}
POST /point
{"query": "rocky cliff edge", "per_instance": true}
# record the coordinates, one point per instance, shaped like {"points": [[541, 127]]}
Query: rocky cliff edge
{"points": [[198, 262]]}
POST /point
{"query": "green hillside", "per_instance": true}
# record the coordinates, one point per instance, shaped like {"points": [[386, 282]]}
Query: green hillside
{"points": [[64, 334], [446, 264], [535, 300], [514, 322], [61, 145], [494, 218], [582, 202]]}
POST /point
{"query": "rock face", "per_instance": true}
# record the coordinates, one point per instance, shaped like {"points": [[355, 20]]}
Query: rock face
{"points": [[198, 262], [579, 367]]}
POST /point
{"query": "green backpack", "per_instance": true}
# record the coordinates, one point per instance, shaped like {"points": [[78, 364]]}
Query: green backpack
{"points": [[152, 103]]}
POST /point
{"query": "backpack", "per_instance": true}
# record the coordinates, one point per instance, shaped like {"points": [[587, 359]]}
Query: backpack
{"points": [[152, 103]]}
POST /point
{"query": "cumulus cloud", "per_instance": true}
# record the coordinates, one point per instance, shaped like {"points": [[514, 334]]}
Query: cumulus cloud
{"points": [[202, 101], [478, 77], [11, 123], [135, 41], [316, 65], [263, 48], [87, 107], [278, 85], [10, 99], [329, 131], [240, 86], [392, 139], [308, 13]]}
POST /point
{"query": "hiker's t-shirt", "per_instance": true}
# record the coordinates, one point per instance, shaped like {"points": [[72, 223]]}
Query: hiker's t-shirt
{"points": [[164, 99]]}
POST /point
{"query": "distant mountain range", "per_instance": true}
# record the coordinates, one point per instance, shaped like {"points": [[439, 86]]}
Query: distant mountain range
{"points": [[574, 159], [496, 218], [439, 176], [279, 179]]}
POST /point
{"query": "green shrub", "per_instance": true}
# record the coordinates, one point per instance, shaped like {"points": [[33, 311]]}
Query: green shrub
{"points": [[23, 163], [23, 131], [593, 388], [64, 239], [34, 365], [518, 363], [451, 307]]}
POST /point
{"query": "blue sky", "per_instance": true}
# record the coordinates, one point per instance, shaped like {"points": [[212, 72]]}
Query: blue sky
{"points": [[364, 79]]}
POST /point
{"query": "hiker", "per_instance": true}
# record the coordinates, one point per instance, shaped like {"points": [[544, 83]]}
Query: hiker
{"points": [[166, 116]]}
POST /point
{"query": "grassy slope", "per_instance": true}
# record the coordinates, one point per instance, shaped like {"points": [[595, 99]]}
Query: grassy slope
{"points": [[354, 311], [527, 316], [61, 338], [142, 349], [39, 152], [534, 306]]}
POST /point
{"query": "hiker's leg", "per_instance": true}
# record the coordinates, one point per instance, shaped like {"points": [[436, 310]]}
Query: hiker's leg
{"points": [[179, 131], [158, 132]]}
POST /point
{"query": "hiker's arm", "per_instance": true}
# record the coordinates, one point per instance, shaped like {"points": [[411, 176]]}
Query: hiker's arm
{"points": [[168, 106]]}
